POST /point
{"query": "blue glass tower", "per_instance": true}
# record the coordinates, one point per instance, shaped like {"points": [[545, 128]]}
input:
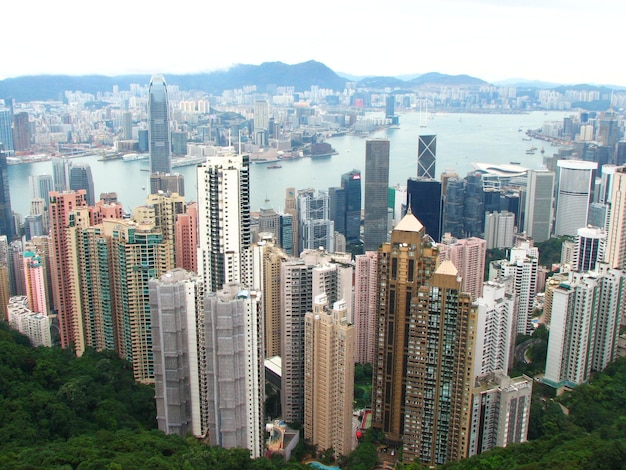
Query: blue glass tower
{"points": [[159, 126]]}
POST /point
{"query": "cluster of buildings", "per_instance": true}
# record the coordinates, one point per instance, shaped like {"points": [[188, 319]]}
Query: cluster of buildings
{"points": [[206, 299]]}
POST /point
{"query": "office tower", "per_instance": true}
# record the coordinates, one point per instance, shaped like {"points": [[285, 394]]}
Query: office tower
{"points": [[127, 125], [186, 236], [224, 220], [34, 325], [538, 204], [316, 229], [574, 192], [61, 174], [159, 126], [473, 206], [280, 226], [426, 156], [35, 280], [329, 376], [337, 209], [615, 254], [22, 134], [404, 265], [81, 178], [495, 338], [397, 201], [589, 248], [167, 183], [499, 229], [41, 185], [176, 299], [376, 188], [468, 256], [296, 292], [143, 140], [608, 132], [390, 106], [454, 208], [424, 198], [179, 143], [586, 311], [6, 130], [7, 224], [365, 295], [235, 371], [437, 395], [65, 282], [521, 269], [272, 257], [500, 412]]}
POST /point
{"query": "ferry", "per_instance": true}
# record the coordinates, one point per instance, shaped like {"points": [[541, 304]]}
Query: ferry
{"points": [[130, 157], [272, 167]]}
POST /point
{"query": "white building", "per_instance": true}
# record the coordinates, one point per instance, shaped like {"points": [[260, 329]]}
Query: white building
{"points": [[539, 204], [575, 188], [499, 229], [35, 325]]}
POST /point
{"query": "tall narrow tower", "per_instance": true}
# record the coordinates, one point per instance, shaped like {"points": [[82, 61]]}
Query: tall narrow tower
{"points": [[426, 156], [224, 221], [376, 197], [538, 204], [159, 126]]}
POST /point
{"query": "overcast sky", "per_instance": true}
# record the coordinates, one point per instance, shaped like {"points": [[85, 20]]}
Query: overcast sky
{"points": [[564, 41]]}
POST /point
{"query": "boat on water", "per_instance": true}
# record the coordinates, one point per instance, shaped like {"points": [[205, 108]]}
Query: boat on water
{"points": [[272, 167], [130, 157]]}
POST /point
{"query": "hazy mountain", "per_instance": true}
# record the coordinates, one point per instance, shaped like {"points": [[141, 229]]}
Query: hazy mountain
{"points": [[443, 79]]}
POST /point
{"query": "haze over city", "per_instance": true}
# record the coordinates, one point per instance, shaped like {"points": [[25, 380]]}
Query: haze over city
{"points": [[554, 41]]}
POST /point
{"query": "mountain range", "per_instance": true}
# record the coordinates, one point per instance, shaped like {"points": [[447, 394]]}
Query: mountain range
{"points": [[301, 76]]}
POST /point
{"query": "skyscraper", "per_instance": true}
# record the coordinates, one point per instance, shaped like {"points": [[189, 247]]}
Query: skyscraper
{"points": [[224, 221], [376, 193], [499, 229], [404, 265], [21, 132], [6, 130], [468, 255], [186, 236], [437, 394], [575, 188], [365, 321], [424, 197], [351, 183], [81, 178], [426, 156], [159, 126], [7, 224], [167, 183], [590, 247], [329, 376], [615, 254], [538, 204], [316, 228]]}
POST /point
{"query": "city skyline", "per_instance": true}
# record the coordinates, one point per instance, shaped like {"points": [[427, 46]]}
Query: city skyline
{"points": [[460, 38]]}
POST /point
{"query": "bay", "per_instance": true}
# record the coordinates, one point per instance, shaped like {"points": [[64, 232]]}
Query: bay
{"points": [[461, 139]]}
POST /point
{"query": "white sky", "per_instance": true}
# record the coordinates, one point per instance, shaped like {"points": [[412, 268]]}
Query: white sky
{"points": [[564, 41]]}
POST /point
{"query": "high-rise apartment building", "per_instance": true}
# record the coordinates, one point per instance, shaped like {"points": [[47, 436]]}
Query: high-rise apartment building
{"points": [[34, 325], [468, 256], [404, 265], [574, 192], [65, 276], [499, 229], [495, 337], [589, 248], [291, 208], [584, 325], [296, 292], [235, 369], [615, 254], [437, 388], [176, 303], [35, 280], [426, 156], [159, 126], [376, 193], [365, 298], [167, 183], [186, 236], [22, 134], [500, 411], [328, 376], [538, 205], [224, 221]]}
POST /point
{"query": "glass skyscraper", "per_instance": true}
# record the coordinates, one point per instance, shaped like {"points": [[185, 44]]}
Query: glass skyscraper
{"points": [[159, 126], [376, 193]]}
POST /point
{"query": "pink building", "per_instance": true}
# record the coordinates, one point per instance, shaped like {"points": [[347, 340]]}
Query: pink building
{"points": [[468, 256], [34, 280], [186, 237], [365, 282]]}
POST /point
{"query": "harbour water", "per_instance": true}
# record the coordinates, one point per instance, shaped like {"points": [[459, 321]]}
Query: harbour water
{"points": [[461, 140]]}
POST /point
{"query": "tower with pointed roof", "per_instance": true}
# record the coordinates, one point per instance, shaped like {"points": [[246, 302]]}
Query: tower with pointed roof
{"points": [[423, 370]]}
